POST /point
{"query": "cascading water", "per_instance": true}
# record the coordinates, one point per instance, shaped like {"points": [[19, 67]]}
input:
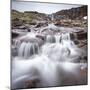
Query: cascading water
{"points": [[65, 36], [58, 38], [51, 25], [52, 63], [28, 49], [50, 39]]}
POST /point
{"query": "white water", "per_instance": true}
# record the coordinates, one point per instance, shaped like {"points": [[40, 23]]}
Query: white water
{"points": [[52, 26], [48, 62], [28, 49]]}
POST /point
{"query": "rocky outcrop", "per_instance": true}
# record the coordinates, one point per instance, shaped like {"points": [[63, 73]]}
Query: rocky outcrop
{"points": [[79, 38], [73, 13], [82, 36], [73, 17]]}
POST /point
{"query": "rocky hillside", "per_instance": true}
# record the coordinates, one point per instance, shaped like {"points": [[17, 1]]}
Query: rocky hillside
{"points": [[27, 17], [73, 13], [74, 17]]}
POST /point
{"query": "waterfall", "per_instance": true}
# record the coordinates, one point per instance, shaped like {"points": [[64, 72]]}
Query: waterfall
{"points": [[53, 38], [51, 67], [28, 49], [58, 38], [65, 36], [66, 40], [51, 26], [50, 39]]}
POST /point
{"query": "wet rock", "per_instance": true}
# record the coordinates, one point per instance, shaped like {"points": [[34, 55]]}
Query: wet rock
{"points": [[76, 42], [39, 25], [85, 57], [14, 35], [77, 60], [41, 37], [81, 36], [29, 30], [58, 23], [81, 45], [80, 31]]}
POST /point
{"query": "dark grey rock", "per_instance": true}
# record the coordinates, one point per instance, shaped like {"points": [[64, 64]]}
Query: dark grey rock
{"points": [[14, 35], [41, 37], [76, 42], [81, 36]]}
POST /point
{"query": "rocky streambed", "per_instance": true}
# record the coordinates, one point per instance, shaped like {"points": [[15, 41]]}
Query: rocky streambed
{"points": [[39, 32], [77, 33], [52, 48]]}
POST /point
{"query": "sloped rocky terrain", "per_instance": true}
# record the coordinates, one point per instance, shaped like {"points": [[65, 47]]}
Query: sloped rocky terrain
{"points": [[73, 13], [27, 17]]}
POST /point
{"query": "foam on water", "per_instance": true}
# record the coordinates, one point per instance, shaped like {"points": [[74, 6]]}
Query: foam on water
{"points": [[51, 65]]}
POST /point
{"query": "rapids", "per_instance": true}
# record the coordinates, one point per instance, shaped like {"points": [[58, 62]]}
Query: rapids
{"points": [[49, 64]]}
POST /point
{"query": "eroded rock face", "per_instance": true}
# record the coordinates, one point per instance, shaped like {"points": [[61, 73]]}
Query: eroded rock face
{"points": [[14, 35], [81, 36], [76, 42]]}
